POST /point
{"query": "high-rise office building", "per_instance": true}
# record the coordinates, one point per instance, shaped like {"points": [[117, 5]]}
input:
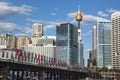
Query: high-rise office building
{"points": [[94, 46], [80, 54], [23, 41], [67, 43], [90, 61], [103, 45], [37, 32], [116, 40]]}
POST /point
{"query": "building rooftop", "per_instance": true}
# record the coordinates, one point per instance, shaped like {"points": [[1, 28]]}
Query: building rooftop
{"points": [[116, 13]]}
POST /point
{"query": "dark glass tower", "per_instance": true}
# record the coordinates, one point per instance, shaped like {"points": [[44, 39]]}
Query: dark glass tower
{"points": [[67, 43]]}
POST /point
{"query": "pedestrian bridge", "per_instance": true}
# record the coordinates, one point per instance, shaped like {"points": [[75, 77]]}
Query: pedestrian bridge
{"points": [[14, 69]]}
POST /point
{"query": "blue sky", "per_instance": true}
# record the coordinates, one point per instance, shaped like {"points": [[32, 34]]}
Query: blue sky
{"points": [[17, 16]]}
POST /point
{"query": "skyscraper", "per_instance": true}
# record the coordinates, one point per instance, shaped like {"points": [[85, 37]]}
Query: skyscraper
{"points": [[37, 32], [104, 55], [116, 40], [67, 43], [94, 46], [80, 57], [90, 61]]}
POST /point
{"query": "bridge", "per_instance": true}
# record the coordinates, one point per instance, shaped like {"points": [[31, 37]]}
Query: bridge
{"points": [[12, 69]]}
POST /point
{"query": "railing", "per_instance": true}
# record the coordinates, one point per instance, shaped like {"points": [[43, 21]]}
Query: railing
{"points": [[36, 64]]}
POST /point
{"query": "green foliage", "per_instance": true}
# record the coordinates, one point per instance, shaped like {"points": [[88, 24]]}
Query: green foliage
{"points": [[89, 73], [104, 69], [85, 69]]}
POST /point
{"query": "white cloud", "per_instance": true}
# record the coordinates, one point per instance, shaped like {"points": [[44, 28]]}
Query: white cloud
{"points": [[100, 13], [87, 19], [8, 27], [26, 31], [34, 20], [112, 10], [8, 10], [71, 15], [47, 24], [50, 26], [53, 14]]}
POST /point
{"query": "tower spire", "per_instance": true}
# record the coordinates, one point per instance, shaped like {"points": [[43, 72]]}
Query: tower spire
{"points": [[78, 18], [78, 8]]}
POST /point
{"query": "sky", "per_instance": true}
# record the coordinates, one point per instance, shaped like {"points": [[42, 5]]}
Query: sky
{"points": [[17, 16]]}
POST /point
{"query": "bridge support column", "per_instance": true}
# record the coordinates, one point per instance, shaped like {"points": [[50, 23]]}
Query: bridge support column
{"points": [[48, 75], [76, 77], [12, 74], [26, 75], [63, 76], [51, 75], [57, 75], [68, 77], [37, 74], [5, 73], [54, 76], [22, 75], [72, 77], [32, 74], [17, 75], [40, 76]]}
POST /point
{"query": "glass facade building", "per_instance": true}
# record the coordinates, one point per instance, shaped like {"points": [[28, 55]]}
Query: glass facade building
{"points": [[81, 54], [104, 55], [66, 43]]}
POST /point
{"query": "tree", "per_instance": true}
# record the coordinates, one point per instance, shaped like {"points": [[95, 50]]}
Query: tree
{"points": [[104, 69], [85, 69]]}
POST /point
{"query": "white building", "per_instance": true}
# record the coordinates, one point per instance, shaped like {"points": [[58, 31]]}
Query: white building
{"points": [[37, 32], [23, 41], [48, 51], [7, 54], [7, 41], [116, 40], [46, 41]]}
